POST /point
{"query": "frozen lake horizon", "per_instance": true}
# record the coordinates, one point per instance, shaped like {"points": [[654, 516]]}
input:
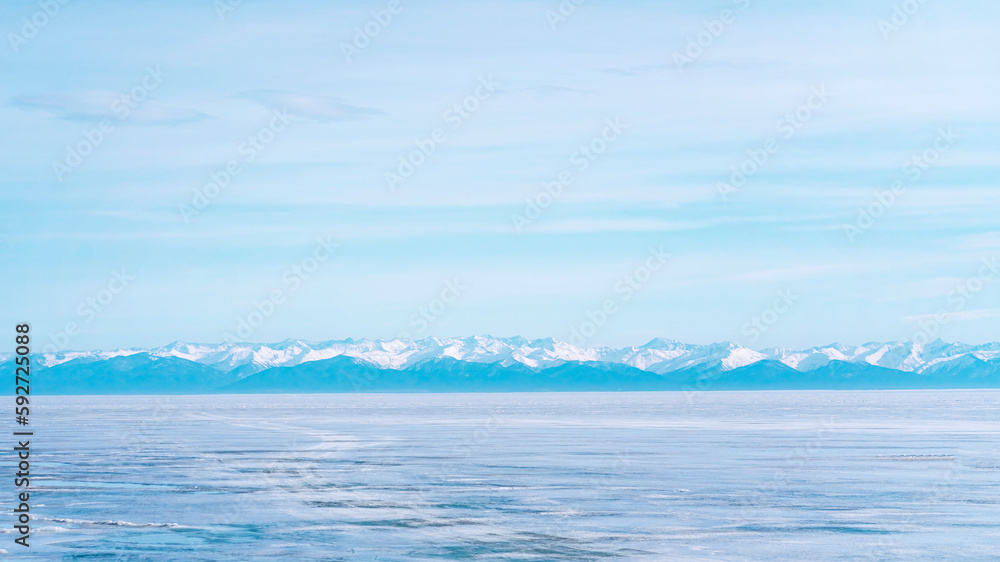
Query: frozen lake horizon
{"points": [[832, 475]]}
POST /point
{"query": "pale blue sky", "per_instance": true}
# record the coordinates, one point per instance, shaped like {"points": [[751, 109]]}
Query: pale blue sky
{"points": [[655, 185]]}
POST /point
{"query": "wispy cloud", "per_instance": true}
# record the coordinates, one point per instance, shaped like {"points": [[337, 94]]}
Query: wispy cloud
{"points": [[318, 108], [934, 288], [978, 314], [635, 70], [546, 90], [93, 106], [792, 273], [983, 240], [722, 64]]}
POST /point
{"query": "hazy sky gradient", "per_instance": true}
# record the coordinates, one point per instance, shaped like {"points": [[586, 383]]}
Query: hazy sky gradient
{"points": [[655, 185]]}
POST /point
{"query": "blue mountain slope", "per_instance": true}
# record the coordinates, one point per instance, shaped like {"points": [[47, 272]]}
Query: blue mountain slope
{"points": [[595, 376], [338, 374], [762, 375], [438, 375], [843, 375], [142, 373], [134, 374], [344, 374], [963, 372]]}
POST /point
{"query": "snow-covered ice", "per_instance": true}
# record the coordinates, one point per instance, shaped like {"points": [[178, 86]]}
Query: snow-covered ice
{"points": [[892, 475]]}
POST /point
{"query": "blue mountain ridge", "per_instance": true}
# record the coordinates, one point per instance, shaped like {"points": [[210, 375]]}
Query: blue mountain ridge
{"points": [[143, 373]]}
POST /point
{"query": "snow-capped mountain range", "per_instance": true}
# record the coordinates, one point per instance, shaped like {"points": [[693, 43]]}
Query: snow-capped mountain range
{"points": [[658, 356]]}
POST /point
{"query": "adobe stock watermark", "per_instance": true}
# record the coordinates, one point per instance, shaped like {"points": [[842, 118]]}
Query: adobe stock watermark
{"points": [[88, 310], [798, 459], [602, 481], [930, 325], [786, 127], [421, 319], [580, 160], [625, 289], [225, 7], [436, 307], [704, 39], [292, 280], [364, 35], [248, 151], [783, 301], [122, 106], [563, 11], [901, 14], [886, 546], [455, 116], [423, 500], [32, 26], [472, 444], [914, 169]]}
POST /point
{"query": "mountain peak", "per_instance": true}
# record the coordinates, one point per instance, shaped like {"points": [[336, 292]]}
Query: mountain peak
{"points": [[661, 343], [659, 355]]}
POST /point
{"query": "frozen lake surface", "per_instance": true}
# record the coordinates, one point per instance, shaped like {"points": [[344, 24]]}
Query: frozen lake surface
{"points": [[900, 475]]}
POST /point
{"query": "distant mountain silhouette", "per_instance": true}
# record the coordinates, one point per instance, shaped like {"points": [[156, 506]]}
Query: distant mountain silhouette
{"points": [[146, 373]]}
